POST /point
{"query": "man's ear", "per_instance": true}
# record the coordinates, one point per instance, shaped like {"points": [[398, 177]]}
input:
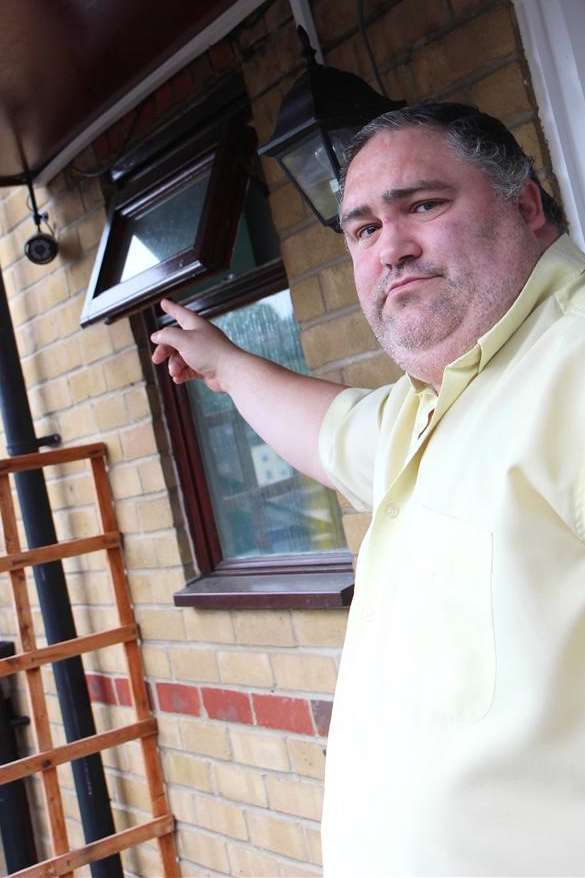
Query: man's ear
{"points": [[530, 206]]}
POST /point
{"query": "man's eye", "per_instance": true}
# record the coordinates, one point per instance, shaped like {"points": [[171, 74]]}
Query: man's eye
{"points": [[426, 206], [365, 231]]}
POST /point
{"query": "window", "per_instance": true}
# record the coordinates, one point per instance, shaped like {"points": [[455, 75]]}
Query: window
{"points": [[264, 535], [169, 224]]}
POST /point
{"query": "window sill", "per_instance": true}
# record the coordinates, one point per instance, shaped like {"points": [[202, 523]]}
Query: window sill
{"points": [[268, 591]]}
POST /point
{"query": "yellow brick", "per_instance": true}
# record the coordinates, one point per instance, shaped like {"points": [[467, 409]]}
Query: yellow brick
{"points": [[376, 370], [208, 626], [245, 668], [286, 206], [90, 230], [259, 749], [151, 475], [207, 739], [325, 628], [404, 24], [199, 847], [484, 39], [129, 791], [16, 207], [97, 343], [110, 412], [313, 673], [251, 863], [160, 624], [68, 207], [355, 526], [86, 383], [123, 369], [264, 627], [139, 552], [169, 733], [307, 299], [155, 514], [310, 248], [336, 339], [338, 286], [313, 838], [166, 549], [10, 250], [503, 94], [53, 290], [298, 798], [121, 333], [136, 400], [528, 138], [79, 273], [138, 441], [220, 817], [127, 514], [125, 481], [182, 768], [56, 395], [306, 758], [77, 422], [156, 662], [189, 663], [234, 782], [282, 836]]}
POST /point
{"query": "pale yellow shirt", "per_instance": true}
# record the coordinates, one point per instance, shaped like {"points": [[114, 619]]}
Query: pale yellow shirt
{"points": [[457, 744]]}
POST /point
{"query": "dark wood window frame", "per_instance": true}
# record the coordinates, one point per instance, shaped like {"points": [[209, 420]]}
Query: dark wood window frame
{"points": [[280, 582], [226, 154]]}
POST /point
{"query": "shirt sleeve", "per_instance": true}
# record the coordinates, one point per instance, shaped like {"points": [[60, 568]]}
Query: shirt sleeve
{"points": [[348, 442]]}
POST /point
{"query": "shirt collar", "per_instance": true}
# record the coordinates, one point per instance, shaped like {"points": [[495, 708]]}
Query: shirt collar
{"points": [[557, 266]]}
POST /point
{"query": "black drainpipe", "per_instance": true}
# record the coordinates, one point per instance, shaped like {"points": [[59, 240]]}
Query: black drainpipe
{"points": [[88, 773]]}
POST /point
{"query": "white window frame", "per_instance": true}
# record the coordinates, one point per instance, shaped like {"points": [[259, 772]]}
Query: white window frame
{"points": [[553, 35]]}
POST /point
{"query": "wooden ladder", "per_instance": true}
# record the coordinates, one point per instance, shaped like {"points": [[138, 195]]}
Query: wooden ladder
{"points": [[31, 659]]}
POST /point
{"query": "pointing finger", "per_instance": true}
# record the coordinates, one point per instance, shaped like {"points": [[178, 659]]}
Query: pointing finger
{"points": [[184, 317]]}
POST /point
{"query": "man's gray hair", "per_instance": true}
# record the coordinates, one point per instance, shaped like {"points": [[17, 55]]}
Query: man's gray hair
{"points": [[475, 137]]}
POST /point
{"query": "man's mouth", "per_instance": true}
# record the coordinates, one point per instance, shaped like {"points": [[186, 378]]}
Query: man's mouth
{"points": [[404, 282]]}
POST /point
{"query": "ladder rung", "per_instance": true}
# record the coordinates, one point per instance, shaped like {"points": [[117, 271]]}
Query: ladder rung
{"points": [[57, 551], [98, 850], [75, 750], [37, 460], [25, 661]]}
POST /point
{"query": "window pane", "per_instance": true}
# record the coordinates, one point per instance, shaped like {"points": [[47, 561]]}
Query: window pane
{"points": [[262, 506], [162, 231]]}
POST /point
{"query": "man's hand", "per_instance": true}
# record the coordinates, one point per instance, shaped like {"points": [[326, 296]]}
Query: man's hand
{"points": [[285, 409], [193, 349]]}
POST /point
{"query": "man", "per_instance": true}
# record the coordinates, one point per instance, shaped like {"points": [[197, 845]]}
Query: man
{"points": [[457, 744]]}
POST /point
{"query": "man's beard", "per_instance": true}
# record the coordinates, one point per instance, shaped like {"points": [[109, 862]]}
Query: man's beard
{"points": [[417, 322]]}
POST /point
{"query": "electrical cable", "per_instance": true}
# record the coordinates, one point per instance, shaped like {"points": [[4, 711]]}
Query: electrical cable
{"points": [[107, 166], [364, 33]]}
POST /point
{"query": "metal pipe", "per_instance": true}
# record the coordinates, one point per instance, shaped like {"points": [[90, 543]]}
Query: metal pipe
{"points": [[16, 827], [88, 773]]}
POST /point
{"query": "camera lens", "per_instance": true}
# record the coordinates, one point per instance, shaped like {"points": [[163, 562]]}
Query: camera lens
{"points": [[41, 249]]}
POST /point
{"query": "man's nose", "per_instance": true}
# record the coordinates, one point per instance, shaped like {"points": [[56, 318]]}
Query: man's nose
{"points": [[397, 244]]}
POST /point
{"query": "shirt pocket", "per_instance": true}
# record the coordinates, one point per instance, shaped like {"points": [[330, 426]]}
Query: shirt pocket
{"points": [[440, 657]]}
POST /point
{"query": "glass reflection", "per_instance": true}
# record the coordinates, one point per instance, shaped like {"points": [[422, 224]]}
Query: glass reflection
{"points": [[262, 505]]}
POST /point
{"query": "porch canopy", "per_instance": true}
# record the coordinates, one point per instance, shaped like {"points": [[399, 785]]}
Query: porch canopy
{"points": [[70, 68]]}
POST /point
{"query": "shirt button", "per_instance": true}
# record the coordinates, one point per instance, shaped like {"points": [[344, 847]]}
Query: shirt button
{"points": [[392, 510]]}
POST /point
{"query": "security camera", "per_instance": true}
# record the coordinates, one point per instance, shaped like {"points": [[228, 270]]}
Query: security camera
{"points": [[41, 248]]}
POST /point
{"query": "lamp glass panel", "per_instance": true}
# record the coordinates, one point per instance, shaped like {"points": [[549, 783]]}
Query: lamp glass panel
{"points": [[308, 162], [341, 138]]}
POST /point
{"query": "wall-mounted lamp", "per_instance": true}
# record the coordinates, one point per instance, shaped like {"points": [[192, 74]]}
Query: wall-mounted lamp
{"points": [[317, 120]]}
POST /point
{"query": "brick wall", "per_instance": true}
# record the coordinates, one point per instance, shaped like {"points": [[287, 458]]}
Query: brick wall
{"points": [[242, 698]]}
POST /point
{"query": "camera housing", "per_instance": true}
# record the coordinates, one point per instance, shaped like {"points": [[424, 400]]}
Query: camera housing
{"points": [[41, 248]]}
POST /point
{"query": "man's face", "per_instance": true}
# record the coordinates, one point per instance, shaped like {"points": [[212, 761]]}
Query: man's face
{"points": [[438, 255]]}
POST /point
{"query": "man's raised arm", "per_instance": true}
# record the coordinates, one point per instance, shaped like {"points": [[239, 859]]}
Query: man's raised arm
{"points": [[286, 409]]}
